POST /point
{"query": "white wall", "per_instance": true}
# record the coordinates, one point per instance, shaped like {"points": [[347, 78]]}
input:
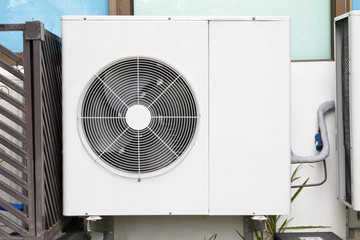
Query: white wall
{"points": [[312, 84], [176, 227]]}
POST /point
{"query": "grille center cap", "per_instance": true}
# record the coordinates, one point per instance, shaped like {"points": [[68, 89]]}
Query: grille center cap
{"points": [[138, 117]]}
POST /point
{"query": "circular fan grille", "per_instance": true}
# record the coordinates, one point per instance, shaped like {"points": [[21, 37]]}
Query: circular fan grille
{"points": [[138, 116]]}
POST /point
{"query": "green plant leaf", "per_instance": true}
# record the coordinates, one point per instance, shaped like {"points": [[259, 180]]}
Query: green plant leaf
{"points": [[213, 237], [284, 225], [271, 224], [242, 237], [257, 235], [293, 180], [294, 173], [299, 190]]}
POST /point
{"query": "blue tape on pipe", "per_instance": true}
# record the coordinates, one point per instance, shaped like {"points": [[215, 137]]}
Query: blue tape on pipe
{"points": [[318, 142]]}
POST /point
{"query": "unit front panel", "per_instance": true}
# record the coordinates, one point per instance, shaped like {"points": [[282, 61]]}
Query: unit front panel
{"points": [[249, 117]]}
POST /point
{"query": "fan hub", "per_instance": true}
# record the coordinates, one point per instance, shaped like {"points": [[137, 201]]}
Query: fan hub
{"points": [[138, 117]]}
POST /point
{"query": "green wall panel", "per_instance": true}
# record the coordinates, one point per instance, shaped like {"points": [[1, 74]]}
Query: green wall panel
{"points": [[310, 20]]}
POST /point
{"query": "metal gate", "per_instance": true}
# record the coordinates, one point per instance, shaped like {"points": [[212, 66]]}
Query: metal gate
{"points": [[31, 135]]}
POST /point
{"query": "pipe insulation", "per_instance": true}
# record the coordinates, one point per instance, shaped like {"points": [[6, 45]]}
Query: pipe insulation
{"points": [[325, 107]]}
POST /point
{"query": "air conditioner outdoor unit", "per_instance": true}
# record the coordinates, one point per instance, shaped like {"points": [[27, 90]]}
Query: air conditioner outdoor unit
{"points": [[347, 37], [180, 115]]}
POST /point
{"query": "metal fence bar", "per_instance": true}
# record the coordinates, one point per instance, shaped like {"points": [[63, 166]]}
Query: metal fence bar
{"points": [[13, 147], [11, 69], [13, 117], [13, 132], [13, 101], [29, 129], [39, 131], [13, 193], [12, 27], [12, 85], [13, 162], [17, 143], [36, 149], [52, 135], [52, 116], [15, 178], [52, 231], [11, 55], [13, 226], [8, 207], [3, 234]]}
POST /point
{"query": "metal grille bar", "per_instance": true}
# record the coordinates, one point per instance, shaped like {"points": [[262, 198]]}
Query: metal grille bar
{"points": [[51, 125]]}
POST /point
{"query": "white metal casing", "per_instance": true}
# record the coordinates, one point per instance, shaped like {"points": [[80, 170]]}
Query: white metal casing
{"points": [[239, 70], [353, 28], [249, 117]]}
